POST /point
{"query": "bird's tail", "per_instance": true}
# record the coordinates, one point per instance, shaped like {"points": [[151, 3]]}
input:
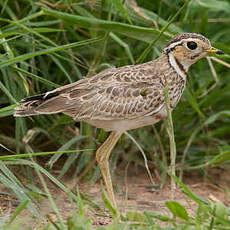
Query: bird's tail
{"points": [[30, 105]]}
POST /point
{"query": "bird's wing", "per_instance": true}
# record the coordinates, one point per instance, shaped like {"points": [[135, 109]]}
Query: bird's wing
{"points": [[123, 93], [119, 102]]}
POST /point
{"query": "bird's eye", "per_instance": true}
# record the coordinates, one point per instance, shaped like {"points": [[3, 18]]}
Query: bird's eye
{"points": [[192, 45]]}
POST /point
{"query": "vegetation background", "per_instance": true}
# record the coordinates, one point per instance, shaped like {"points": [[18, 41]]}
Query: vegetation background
{"points": [[47, 44]]}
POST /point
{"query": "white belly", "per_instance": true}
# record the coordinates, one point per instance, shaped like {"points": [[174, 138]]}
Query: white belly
{"points": [[124, 125]]}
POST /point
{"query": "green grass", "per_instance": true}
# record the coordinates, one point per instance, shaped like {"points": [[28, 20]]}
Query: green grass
{"points": [[46, 44]]}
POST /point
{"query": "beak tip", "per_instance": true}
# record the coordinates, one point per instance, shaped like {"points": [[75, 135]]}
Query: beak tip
{"points": [[220, 52]]}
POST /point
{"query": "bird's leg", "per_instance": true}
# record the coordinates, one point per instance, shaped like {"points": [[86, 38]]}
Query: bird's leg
{"points": [[102, 156]]}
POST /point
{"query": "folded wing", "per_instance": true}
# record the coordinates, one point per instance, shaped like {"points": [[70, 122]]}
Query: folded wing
{"points": [[106, 96]]}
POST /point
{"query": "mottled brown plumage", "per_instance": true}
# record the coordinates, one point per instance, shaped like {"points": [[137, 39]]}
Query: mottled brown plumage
{"points": [[125, 98], [112, 97]]}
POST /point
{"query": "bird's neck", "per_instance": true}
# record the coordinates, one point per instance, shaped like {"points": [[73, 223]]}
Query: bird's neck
{"points": [[179, 66]]}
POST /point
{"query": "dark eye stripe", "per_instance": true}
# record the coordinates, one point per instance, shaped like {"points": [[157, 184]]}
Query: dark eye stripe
{"points": [[168, 50]]}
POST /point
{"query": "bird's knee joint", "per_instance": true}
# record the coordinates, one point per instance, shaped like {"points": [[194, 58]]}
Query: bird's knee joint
{"points": [[101, 160]]}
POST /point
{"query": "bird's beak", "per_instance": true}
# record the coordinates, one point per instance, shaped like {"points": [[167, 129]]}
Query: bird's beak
{"points": [[215, 51]]}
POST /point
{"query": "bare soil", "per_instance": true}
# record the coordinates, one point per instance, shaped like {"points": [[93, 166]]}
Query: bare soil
{"points": [[135, 193]]}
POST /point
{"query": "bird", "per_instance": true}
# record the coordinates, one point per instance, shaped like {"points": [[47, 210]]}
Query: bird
{"points": [[124, 98]]}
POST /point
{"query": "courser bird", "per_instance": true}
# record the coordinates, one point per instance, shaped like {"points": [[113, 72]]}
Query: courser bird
{"points": [[125, 98]]}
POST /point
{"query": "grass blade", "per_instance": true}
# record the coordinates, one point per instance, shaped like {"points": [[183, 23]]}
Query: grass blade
{"points": [[47, 51], [19, 209]]}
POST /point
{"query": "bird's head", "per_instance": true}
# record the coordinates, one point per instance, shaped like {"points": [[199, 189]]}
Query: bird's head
{"points": [[188, 48]]}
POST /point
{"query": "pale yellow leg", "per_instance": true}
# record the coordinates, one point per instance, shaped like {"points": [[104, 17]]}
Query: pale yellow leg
{"points": [[102, 156]]}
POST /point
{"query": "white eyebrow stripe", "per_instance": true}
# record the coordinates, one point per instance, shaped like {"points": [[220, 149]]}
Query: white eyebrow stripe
{"points": [[171, 46], [174, 44]]}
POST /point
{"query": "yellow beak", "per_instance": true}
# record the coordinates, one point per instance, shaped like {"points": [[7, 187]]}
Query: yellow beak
{"points": [[215, 51]]}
